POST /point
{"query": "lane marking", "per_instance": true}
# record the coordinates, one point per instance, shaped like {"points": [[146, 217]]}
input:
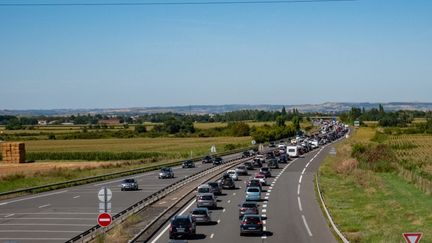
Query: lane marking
{"points": [[163, 202], [9, 215], [167, 227], [267, 194], [264, 228], [298, 189], [223, 211], [266, 198], [28, 198], [234, 194], [218, 221], [269, 190], [76, 197], [299, 203], [264, 205], [301, 177], [229, 201], [264, 210], [174, 199], [304, 170], [306, 225], [44, 206], [211, 236]]}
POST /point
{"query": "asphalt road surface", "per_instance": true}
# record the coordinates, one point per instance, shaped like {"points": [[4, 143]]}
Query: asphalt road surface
{"points": [[289, 207], [59, 215]]}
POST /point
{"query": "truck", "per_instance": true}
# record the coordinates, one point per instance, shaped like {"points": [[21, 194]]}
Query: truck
{"points": [[293, 151]]}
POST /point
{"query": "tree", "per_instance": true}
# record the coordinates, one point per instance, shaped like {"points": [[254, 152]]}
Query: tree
{"points": [[140, 129], [296, 122], [284, 113], [280, 121]]}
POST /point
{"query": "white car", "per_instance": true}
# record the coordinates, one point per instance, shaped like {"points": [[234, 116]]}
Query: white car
{"points": [[233, 174], [260, 157], [261, 178]]}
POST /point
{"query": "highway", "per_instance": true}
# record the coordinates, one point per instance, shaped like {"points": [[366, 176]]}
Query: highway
{"points": [[59, 215], [289, 207]]}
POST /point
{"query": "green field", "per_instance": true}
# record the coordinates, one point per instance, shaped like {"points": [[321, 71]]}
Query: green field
{"points": [[374, 207]]}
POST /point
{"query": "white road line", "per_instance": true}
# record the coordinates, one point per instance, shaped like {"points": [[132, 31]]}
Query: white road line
{"points": [[303, 170], [163, 202], [306, 225], [9, 215], [44, 206], [264, 228], [211, 236], [218, 221], [264, 210], [299, 203], [174, 199], [77, 225], [76, 197], [28, 198], [264, 221], [39, 231], [264, 215], [307, 164], [270, 187], [229, 201], [267, 194], [298, 189], [223, 211], [300, 179], [264, 205], [269, 190], [234, 193], [167, 227], [266, 198]]}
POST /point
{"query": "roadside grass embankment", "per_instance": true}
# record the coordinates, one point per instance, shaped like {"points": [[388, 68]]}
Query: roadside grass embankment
{"points": [[366, 195]]}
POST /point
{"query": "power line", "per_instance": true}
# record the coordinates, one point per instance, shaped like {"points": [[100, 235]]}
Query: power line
{"points": [[169, 3]]}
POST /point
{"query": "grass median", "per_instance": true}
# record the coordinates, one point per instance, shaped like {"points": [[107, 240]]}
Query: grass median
{"points": [[371, 206]]}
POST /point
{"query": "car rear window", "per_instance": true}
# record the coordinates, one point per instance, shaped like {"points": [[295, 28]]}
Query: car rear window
{"points": [[253, 190], [291, 150], [251, 219], [204, 190], [180, 222], [206, 197], [248, 205], [264, 169], [199, 212]]}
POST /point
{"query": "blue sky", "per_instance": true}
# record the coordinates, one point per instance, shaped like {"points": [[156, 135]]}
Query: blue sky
{"points": [[129, 56]]}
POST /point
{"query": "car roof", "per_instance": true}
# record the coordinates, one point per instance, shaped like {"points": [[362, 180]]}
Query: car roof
{"points": [[181, 217], [206, 194], [200, 209]]}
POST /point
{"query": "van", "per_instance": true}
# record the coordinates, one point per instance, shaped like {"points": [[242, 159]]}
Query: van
{"points": [[292, 151]]}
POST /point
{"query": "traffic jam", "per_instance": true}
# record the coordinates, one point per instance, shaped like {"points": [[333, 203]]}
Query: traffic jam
{"points": [[254, 174]]}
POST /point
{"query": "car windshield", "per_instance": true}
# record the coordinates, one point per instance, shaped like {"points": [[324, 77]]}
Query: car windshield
{"points": [[213, 184], [253, 190], [241, 167], [165, 170], [129, 181], [248, 205], [264, 169]]}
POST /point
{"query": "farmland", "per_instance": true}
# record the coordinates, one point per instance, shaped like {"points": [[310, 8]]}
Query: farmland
{"points": [[371, 206]]}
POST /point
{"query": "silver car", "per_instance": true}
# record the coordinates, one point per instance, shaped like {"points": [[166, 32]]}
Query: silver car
{"points": [[201, 215], [207, 200], [253, 194], [129, 184], [241, 170]]}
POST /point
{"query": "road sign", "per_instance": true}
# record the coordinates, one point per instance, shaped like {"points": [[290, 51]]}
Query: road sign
{"points": [[104, 219], [104, 207], [253, 142], [105, 194], [412, 237], [261, 147], [213, 149]]}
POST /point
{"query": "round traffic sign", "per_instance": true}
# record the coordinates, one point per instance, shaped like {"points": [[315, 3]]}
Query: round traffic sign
{"points": [[253, 142], [101, 194], [104, 219]]}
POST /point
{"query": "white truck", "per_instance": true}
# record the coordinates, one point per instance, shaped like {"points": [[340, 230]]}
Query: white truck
{"points": [[292, 151]]}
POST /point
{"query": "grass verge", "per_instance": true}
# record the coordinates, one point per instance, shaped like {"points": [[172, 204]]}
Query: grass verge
{"points": [[372, 206]]}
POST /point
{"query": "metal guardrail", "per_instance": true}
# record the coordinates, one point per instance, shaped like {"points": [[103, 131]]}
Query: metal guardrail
{"points": [[93, 232], [92, 179]]}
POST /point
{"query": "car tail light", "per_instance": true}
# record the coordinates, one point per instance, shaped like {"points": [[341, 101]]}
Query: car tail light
{"points": [[259, 223], [244, 223], [170, 227]]}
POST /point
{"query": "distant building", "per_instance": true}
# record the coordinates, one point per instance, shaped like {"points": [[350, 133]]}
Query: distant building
{"points": [[42, 122], [110, 121]]}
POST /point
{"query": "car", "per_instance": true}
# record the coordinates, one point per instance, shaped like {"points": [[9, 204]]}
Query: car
{"points": [[261, 178], [246, 154], [272, 144], [207, 159], [218, 161], [188, 164], [269, 155], [253, 193], [248, 165], [166, 172], [257, 163], [227, 182], [206, 200], [233, 174], [254, 183], [201, 215], [204, 188], [248, 208], [273, 163], [216, 187], [265, 171], [251, 224], [182, 225], [261, 158], [129, 184], [241, 170]]}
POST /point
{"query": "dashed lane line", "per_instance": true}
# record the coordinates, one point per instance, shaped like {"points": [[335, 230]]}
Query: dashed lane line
{"points": [[306, 225], [299, 203], [44, 206]]}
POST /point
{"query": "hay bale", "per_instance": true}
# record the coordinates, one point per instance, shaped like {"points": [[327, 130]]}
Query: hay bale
{"points": [[13, 152]]}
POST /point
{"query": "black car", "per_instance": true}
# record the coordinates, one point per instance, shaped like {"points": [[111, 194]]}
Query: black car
{"points": [[182, 226], [207, 159], [248, 208], [257, 163], [265, 171], [251, 224], [273, 163], [217, 161], [272, 144], [248, 165], [246, 154], [188, 164], [254, 183]]}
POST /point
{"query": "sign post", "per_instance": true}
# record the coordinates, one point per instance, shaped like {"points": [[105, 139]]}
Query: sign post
{"points": [[105, 195], [213, 149]]}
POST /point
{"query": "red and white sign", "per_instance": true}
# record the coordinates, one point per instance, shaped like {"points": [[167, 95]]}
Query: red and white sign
{"points": [[104, 219], [412, 237]]}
